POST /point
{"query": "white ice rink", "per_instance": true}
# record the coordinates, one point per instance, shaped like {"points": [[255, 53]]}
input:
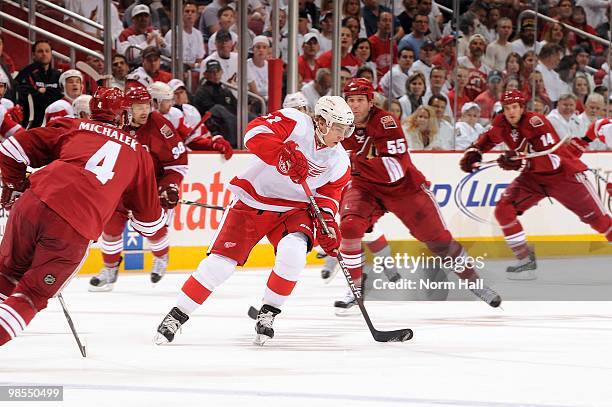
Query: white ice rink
{"points": [[462, 353]]}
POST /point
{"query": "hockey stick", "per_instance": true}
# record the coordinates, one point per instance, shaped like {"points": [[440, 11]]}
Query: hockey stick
{"points": [[30, 112], [202, 205], [88, 70], [524, 156], [76, 336], [189, 138], [399, 335]]}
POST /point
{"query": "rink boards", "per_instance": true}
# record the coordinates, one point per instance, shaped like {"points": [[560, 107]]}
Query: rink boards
{"points": [[466, 201]]}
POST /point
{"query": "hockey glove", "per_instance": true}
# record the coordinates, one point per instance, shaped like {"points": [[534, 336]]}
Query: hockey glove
{"points": [[168, 196], [331, 242], [506, 161], [577, 146], [595, 129], [292, 163], [11, 192], [223, 146], [471, 157], [15, 113]]}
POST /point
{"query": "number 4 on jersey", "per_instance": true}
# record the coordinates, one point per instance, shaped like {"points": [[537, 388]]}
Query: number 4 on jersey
{"points": [[103, 161]]}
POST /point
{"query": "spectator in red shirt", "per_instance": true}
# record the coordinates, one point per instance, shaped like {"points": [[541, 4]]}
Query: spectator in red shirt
{"points": [[462, 80], [348, 60], [384, 48], [487, 99], [578, 20], [5, 59], [446, 54], [307, 62]]}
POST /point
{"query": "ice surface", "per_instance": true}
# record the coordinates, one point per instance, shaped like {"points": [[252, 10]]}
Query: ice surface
{"points": [[462, 354]]}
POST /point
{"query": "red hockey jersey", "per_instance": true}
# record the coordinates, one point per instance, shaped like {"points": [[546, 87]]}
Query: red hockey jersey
{"points": [[379, 153], [88, 168], [167, 149], [533, 133]]}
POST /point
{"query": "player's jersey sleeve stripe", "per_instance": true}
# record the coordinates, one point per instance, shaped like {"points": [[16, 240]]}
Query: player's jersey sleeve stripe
{"points": [[394, 169], [149, 228], [255, 131], [11, 148], [13, 130], [181, 169]]}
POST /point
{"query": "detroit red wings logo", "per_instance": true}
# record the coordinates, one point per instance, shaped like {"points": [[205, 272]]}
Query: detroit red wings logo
{"points": [[314, 170]]}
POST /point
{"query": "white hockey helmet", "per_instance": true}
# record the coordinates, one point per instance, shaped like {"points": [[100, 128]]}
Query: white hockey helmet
{"points": [[295, 100], [70, 73], [334, 109], [3, 78], [81, 105], [160, 91]]}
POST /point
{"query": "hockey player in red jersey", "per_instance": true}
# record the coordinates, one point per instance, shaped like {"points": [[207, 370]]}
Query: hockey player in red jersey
{"points": [[384, 179], [154, 132], [291, 147], [89, 167], [559, 175], [199, 138]]}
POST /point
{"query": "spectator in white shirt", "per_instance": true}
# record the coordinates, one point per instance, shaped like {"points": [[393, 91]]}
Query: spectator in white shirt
{"points": [[193, 44], [474, 59], [582, 59], [526, 39], [395, 79], [423, 133], [321, 86], [446, 135], [423, 65], [549, 57], [564, 118], [326, 27], [438, 86], [226, 57], [593, 110], [140, 35], [468, 128], [257, 67], [226, 18], [498, 51]]}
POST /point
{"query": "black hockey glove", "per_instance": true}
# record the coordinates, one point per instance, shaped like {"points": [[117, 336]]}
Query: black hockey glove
{"points": [[168, 196], [507, 162]]}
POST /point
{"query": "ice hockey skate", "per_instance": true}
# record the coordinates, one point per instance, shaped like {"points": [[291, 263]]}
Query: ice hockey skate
{"points": [[346, 306], [263, 325], [524, 269], [329, 270], [160, 264], [169, 326], [105, 279]]}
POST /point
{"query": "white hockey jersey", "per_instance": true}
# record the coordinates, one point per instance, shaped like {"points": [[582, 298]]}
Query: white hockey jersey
{"points": [[7, 103], [57, 109], [261, 186]]}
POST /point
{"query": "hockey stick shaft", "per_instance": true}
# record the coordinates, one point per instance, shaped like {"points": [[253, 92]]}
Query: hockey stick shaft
{"points": [[71, 324], [380, 336], [89, 71], [202, 205], [30, 111], [535, 154]]}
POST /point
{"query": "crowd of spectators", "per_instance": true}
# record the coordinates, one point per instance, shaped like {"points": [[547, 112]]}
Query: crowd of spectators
{"points": [[442, 82]]}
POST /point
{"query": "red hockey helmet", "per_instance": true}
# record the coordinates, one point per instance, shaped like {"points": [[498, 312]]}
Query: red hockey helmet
{"points": [[513, 96], [107, 105], [359, 86], [137, 95]]}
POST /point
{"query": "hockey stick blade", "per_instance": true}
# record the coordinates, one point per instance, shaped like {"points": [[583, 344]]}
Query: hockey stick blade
{"points": [[253, 312], [89, 71], [400, 335]]}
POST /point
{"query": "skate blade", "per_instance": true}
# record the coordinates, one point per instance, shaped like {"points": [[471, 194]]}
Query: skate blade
{"points": [[260, 339], [347, 312], [160, 339], [527, 275], [104, 288]]}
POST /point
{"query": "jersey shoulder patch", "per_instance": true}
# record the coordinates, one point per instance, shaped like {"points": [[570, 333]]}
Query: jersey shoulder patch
{"points": [[388, 122], [536, 121], [166, 131]]}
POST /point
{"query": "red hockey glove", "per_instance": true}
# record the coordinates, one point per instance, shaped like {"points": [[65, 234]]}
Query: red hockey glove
{"points": [[331, 242], [168, 196], [223, 146], [471, 157], [577, 146], [15, 113], [292, 163], [11, 192], [506, 161]]}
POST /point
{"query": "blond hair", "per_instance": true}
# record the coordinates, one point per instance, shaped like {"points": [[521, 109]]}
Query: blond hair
{"points": [[433, 121]]}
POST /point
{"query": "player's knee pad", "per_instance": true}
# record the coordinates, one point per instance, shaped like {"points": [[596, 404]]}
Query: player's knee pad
{"points": [[214, 270], [291, 256], [353, 227], [505, 213], [111, 244]]}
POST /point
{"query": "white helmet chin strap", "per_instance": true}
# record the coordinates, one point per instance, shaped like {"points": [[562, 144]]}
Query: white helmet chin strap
{"points": [[319, 134]]}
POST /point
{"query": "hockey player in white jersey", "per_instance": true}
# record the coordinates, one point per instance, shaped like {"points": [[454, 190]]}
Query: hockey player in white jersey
{"points": [[71, 82], [290, 147], [193, 138]]}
